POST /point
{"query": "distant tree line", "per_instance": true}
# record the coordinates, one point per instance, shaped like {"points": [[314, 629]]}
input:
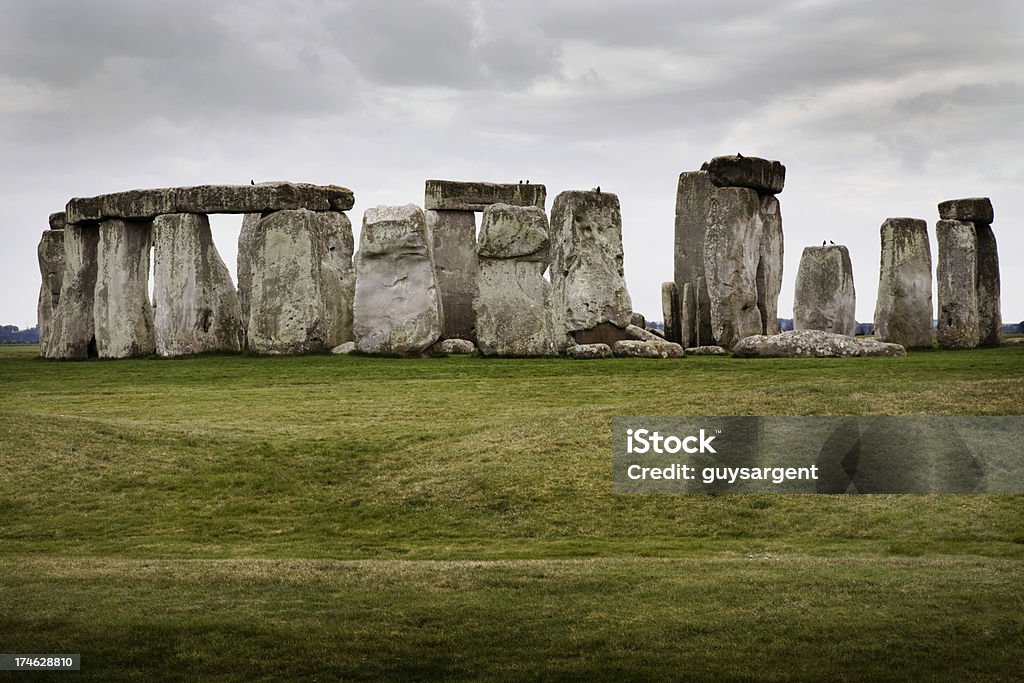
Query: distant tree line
{"points": [[10, 334]]}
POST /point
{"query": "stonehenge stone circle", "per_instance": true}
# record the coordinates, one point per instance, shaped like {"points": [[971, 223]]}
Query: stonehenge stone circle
{"points": [[261, 198], [589, 297], [453, 248], [453, 195], [728, 249], [122, 311], [956, 278], [72, 333], [903, 310], [299, 282], [195, 306], [397, 307], [812, 344], [50, 254], [513, 301], [825, 298]]}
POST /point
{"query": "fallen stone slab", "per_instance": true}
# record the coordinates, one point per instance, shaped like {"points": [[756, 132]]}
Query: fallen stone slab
{"points": [[641, 334], [589, 351], [261, 198], [50, 255], [812, 344], [971, 209], [344, 349], [453, 242], [903, 309], [458, 347], [196, 308], [397, 305], [73, 333], [456, 195], [762, 175], [956, 278], [1014, 341], [634, 348], [122, 310], [710, 350], [825, 298]]}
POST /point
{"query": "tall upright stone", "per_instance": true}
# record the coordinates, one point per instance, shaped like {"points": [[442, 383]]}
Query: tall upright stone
{"points": [[248, 240], [50, 254], [903, 310], [397, 306], [769, 266], [732, 249], [454, 250], [512, 304], [670, 311], [957, 277], [589, 297], [196, 308], [825, 298], [121, 308], [990, 319], [73, 332], [299, 275], [693, 200]]}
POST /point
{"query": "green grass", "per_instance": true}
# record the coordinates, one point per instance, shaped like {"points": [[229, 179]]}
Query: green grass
{"points": [[236, 517]]}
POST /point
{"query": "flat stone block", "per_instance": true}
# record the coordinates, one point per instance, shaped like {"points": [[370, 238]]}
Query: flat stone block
{"points": [[767, 177], [971, 209], [455, 195]]}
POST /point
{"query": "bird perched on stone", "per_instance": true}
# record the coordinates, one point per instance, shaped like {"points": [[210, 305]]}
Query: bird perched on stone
{"points": [[823, 243], [831, 242], [520, 182], [252, 182], [527, 182], [597, 189], [738, 155]]}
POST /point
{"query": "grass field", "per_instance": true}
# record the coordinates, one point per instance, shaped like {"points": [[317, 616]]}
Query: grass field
{"points": [[245, 518]]}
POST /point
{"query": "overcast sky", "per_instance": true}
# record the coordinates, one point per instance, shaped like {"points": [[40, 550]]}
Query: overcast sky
{"points": [[876, 108]]}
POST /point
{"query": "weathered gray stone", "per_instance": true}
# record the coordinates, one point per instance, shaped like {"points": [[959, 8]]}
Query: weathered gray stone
{"points": [[1013, 341], [812, 344], [589, 351], [296, 279], [50, 254], [634, 348], [195, 305], [249, 239], [512, 306], [453, 241], [397, 306], [121, 307], [972, 210], [957, 277], [58, 221], [731, 256], [825, 298], [660, 334], [762, 175], [638, 320], [463, 347], [693, 200], [344, 349], [261, 198], [72, 330], [769, 267], [688, 320], [710, 350], [587, 280], [903, 310], [990, 319], [640, 333], [454, 195], [670, 310]]}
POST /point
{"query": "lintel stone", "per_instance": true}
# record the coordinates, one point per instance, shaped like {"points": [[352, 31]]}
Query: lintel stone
{"points": [[455, 195]]}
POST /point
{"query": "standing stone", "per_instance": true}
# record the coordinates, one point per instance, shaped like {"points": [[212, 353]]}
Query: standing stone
{"points": [[769, 267], [670, 311], [248, 239], [397, 306], [50, 254], [903, 310], [121, 308], [590, 301], [453, 244], [72, 331], [297, 281], [512, 305], [731, 255], [195, 305], [689, 322], [693, 200], [957, 277], [990, 319], [825, 298]]}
